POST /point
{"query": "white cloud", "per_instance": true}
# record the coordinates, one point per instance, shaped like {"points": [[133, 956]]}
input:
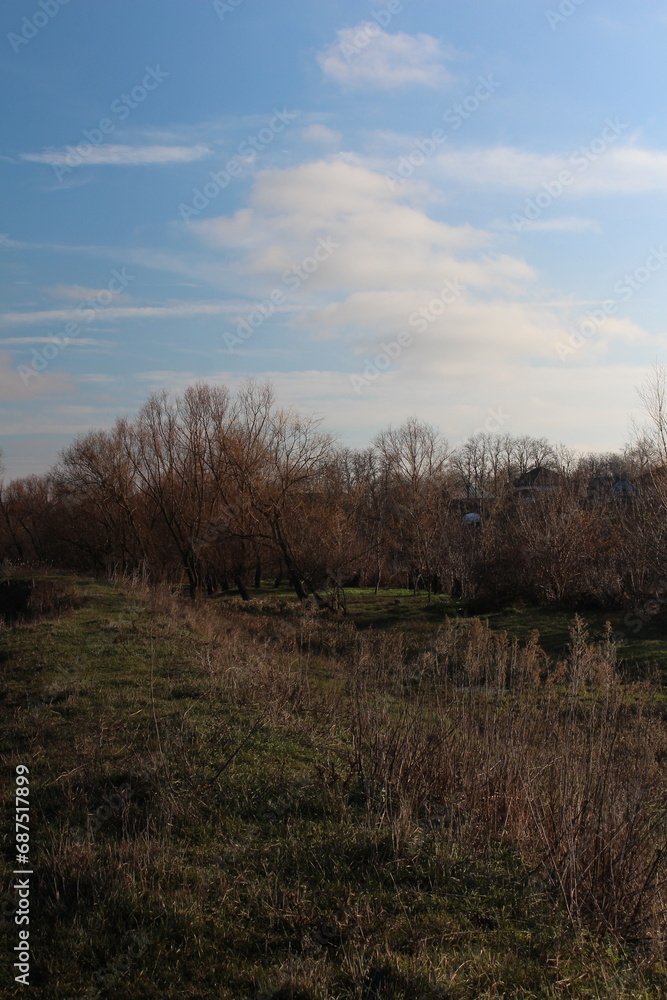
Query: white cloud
{"points": [[392, 263], [493, 346], [386, 277], [623, 330], [367, 56], [563, 224], [321, 134], [384, 243], [116, 155], [182, 310], [617, 170], [13, 387]]}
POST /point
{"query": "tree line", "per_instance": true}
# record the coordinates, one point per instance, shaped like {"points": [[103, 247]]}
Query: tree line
{"points": [[217, 490]]}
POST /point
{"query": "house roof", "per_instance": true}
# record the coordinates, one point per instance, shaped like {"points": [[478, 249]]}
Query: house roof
{"points": [[537, 477]]}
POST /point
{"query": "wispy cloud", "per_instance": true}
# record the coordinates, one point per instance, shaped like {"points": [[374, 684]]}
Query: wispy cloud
{"points": [[564, 224], [119, 156], [74, 341], [367, 56], [619, 170], [175, 311], [75, 293], [96, 378]]}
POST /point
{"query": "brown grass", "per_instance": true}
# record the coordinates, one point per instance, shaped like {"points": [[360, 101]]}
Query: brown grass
{"points": [[477, 734]]}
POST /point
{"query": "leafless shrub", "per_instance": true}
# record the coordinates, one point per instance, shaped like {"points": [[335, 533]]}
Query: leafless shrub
{"points": [[24, 600]]}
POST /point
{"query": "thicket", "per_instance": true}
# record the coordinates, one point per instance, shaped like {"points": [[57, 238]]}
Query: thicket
{"points": [[221, 492]]}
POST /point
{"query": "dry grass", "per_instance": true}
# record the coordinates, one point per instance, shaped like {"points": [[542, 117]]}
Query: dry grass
{"points": [[483, 735], [280, 805]]}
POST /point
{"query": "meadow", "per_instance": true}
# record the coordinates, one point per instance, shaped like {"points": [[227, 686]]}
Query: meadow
{"points": [[259, 799]]}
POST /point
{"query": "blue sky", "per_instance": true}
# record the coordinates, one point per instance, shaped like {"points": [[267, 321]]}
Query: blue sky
{"points": [[455, 210]]}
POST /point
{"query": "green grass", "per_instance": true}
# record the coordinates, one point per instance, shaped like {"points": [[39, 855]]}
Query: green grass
{"points": [[393, 608], [236, 864]]}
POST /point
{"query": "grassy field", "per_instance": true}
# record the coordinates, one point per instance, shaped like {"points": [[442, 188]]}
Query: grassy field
{"points": [[202, 825], [645, 636]]}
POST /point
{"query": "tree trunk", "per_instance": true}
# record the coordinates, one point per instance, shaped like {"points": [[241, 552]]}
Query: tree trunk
{"points": [[241, 587]]}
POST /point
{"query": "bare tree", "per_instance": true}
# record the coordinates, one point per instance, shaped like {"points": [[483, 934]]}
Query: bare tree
{"points": [[414, 457], [167, 448], [653, 396]]}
